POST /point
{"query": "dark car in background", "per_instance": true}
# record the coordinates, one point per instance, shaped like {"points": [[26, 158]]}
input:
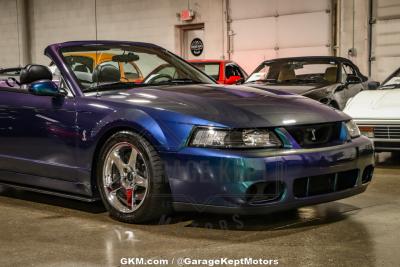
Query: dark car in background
{"points": [[327, 79], [223, 71]]}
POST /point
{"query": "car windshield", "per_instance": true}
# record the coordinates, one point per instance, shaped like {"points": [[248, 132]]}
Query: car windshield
{"points": [[115, 67], [392, 82], [287, 72], [211, 69]]}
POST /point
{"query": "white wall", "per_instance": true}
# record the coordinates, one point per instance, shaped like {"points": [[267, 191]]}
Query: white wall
{"points": [[151, 21], [53, 21], [155, 21], [385, 35], [386, 38], [360, 32], [9, 50], [267, 29]]}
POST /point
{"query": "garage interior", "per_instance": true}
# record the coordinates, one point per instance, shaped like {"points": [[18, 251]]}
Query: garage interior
{"points": [[42, 230]]}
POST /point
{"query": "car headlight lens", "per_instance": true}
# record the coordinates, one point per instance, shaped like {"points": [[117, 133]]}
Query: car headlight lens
{"points": [[222, 138], [353, 129]]}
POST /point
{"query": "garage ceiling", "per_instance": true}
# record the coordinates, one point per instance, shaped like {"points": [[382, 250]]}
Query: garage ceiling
{"points": [[265, 29]]}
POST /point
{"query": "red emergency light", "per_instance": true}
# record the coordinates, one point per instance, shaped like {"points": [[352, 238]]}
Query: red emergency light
{"points": [[187, 14]]}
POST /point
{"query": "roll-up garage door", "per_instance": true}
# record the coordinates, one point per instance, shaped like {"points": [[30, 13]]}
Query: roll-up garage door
{"points": [[266, 29], [385, 38]]}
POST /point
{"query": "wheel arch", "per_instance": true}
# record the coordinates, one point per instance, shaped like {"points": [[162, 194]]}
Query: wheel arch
{"points": [[335, 104], [102, 139], [330, 102]]}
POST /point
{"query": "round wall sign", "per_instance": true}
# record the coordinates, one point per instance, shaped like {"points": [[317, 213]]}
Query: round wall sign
{"points": [[196, 46]]}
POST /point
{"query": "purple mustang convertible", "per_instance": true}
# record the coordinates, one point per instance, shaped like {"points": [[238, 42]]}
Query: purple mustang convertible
{"points": [[169, 138]]}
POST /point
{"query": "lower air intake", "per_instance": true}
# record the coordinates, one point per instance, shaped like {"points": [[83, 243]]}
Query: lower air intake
{"points": [[259, 193], [324, 184]]}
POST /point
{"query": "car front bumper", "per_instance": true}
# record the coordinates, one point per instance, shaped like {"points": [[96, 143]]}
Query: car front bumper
{"points": [[385, 135], [223, 181]]}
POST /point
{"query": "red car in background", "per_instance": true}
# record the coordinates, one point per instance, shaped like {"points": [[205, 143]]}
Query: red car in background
{"points": [[223, 71]]}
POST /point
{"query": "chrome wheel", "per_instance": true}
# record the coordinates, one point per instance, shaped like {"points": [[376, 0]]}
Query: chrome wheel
{"points": [[125, 177]]}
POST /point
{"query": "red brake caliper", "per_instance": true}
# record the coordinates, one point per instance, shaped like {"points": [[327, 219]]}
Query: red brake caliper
{"points": [[129, 194]]}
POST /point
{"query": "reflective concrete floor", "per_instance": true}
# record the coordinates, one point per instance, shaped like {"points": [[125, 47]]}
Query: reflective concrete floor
{"points": [[38, 230]]}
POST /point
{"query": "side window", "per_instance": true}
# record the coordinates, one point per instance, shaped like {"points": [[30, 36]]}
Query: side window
{"points": [[168, 70], [233, 70], [112, 63], [229, 71], [64, 86], [80, 63], [58, 79], [130, 72], [348, 72], [239, 72]]}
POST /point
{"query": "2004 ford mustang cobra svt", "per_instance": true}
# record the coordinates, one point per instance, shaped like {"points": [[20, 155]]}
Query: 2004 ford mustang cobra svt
{"points": [[170, 138]]}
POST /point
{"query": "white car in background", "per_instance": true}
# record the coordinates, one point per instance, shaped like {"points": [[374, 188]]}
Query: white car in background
{"points": [[377, 113]]}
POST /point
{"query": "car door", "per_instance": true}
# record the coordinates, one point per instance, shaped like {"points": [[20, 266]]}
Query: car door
{"points": [[37, 135], [353, 83]]}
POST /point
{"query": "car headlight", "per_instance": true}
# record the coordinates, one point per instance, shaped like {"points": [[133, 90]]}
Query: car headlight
{"points": [[223, 138], [353, 129]]}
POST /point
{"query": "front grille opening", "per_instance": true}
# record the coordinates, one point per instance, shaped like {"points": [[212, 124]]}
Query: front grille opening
{"points": [[318, 135], [324, 184], [387, 132], [347, 179], [367, 174], [262, 192]]}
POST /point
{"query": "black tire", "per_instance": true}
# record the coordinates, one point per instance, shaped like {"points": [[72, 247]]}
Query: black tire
{"points": [[157, 202]]}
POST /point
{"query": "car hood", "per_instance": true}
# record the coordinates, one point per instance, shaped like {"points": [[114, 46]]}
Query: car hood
{"points": [[291, 88], [375, 104], [231, 106]]}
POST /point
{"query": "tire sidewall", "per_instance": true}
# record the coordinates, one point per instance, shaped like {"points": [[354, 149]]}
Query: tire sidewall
{"points": [[141, 214]]}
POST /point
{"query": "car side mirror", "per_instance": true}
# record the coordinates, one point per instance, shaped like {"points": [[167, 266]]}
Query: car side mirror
{"points": [[373, 85], [352, 79], [233, 79], [46, 88]]}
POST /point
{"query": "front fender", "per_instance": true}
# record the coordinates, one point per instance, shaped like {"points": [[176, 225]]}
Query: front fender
{"points": [[137, 120], [96, 122], [327, 95]]}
